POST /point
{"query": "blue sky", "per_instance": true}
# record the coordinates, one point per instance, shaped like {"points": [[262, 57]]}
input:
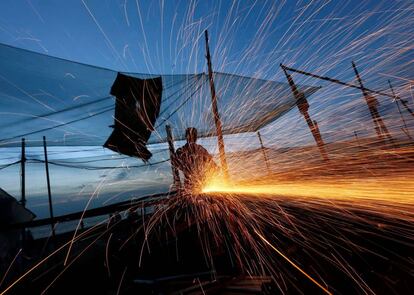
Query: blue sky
{"points": [[166, 36], [246, 37]]}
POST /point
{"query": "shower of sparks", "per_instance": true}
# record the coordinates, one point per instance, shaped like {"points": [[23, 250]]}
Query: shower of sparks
{"points": [[394, 190], [365, 175]]}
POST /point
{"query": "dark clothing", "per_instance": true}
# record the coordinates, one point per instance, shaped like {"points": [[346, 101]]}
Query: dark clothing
{"points": [[195, 162]]}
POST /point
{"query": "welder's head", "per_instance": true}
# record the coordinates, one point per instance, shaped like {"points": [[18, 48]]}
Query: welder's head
{"points": [[191, 135]]}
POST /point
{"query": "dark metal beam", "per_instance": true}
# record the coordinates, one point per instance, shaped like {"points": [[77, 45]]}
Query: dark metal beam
{"points": [[303, 107], [372, 104], [393, 96], [100, 211], [337, 81], [264, 152], [23, 173], [216, 114], [49, 193], [175, 173]]}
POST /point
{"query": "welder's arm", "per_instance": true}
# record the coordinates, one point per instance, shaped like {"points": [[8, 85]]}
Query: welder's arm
{"points": [[176, 159], [212, 164]]}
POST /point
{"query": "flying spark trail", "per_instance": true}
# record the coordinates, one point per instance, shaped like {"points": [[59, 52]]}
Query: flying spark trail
{"points": [[294, 265]]}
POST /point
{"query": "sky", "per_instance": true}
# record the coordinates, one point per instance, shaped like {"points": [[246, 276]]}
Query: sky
{"points": [[167, 36], [248, 38]]}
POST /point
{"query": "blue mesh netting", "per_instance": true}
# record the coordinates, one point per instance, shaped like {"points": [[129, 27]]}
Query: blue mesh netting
{"points": [[69, 102]]}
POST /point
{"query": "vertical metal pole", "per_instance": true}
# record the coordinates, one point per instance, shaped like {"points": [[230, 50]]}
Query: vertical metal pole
{"points": [[23, 173], [264, 152], [372, 103], [216, 114], [404, 103], [23, 186], [303, 107], [396, 98], [49, 193], [175, 173]]}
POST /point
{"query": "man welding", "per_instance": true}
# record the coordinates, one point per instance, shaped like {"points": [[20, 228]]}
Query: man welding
{"points": [[194, 161]]}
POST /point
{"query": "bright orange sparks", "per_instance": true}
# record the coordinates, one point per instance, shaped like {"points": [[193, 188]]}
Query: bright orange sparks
{"points": [[397, 189]]}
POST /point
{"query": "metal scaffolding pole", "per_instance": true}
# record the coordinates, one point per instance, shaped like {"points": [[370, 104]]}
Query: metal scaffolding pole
{"points": [[49, 193], [264, 152], [23, 173], [336, 81], [372, 104], [175, 173], [405, 128], [303, 107], [404, 103], [216, 114], [23, 188], [393, 96]]}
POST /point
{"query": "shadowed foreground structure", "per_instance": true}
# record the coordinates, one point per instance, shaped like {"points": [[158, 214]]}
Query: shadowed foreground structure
{"points": [[219, 244]]}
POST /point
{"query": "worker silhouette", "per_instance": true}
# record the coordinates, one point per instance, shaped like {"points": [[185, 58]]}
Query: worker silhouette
{"points": [[194, 161]]}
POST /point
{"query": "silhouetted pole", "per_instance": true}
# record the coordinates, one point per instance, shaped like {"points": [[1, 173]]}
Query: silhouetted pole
{"points": [[49, 193], [175, 173], [399, 110], [372, 104], [403, 102], [23, 174], [264, 152], [216, 114], [303, 107], [23, 187], [336, 81]]}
